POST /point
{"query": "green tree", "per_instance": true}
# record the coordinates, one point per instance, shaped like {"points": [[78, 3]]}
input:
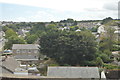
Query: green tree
{"points": [[31, 39], [105, 58], [13, 40], [70, 48], [51, 27], [108, 40], [69, 20], [5, 28], [73, 28], [38, 26], [99, 61], [10, 33], [106, 20]]}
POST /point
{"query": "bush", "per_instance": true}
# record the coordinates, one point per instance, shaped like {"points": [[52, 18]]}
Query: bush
{"points": [[46, 58], [105, 58], [110, 66], [53, 65]]}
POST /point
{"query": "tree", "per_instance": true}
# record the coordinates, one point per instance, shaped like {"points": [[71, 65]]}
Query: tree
{"points": [[69, 20], [105, 58], [73, 28], [31, 39], [51, 27], [13, 40], [70, 48], [75, 23], [94, 29], [10, 33], [106, 20], [5, 28], [38, 26], [108, 39], [99, 61]]}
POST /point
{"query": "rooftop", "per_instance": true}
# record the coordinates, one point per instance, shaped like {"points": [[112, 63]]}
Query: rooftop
{"points": [[25, 46], [73, 72], [25, 57], [10, 63]]}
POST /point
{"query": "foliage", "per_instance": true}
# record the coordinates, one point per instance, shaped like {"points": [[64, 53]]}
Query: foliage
{"points": [[53, 65], [108, 40], [13, 40], [69, 20], [30, 39], [116, 47], [69, 47], [38, 26], [99, 61], [94, 29], [73, 28], [105, 58], [10, 33], [110, 66], [107, 52], [5, 28], [106, 20]]}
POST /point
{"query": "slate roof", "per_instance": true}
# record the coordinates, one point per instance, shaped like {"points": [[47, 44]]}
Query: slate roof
{"points": [[10, 63], [25, 46], [25, 57], [73, 72], [4, 70]]}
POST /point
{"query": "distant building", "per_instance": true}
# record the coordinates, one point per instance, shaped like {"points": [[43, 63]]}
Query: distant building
{"points": [[22, 32], [78, 30], [2, 34], [101, 29], [26, 52], [74, 72], [87, 25]]}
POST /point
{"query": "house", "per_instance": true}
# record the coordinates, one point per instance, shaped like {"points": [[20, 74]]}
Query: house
{"points": [[22, 32], [2, 34], [74, 72], [87, 25], [25, 52], [101, 29], [9, 64]]}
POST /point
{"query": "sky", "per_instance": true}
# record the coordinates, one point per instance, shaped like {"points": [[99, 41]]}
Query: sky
{"points": [[56, 10]]}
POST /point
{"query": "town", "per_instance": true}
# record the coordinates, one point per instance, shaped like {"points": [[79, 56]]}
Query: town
{"points": [[63, 50]]}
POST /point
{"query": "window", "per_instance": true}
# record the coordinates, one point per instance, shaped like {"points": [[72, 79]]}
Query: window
{"points": [[29, 51], [18, 51]]}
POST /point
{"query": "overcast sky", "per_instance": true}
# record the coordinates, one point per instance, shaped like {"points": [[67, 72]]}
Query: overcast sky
{"points": [[56, 10]]}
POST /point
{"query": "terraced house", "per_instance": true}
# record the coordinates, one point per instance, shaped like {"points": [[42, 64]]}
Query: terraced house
{"points": [[26, 52]]}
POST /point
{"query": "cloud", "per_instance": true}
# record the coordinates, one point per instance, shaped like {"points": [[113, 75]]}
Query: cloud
{"points": [[111, 6], [55, 10], [69, 5], [38, 16]]}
